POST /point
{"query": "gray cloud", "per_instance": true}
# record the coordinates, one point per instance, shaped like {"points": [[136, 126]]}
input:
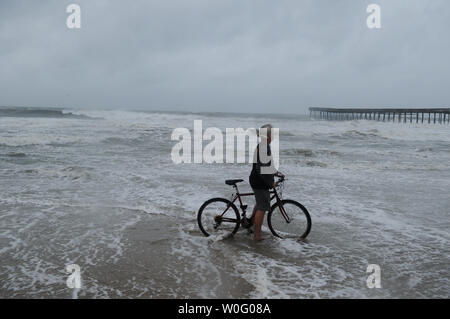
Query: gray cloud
{"points": [[224, 55]]}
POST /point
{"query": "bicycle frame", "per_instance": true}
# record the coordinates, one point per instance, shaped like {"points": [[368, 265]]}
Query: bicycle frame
{"points": [[237, 196]]}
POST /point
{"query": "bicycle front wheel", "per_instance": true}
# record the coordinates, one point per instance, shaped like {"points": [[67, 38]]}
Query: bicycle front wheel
{"points": [[218, 216], [289, 219]]}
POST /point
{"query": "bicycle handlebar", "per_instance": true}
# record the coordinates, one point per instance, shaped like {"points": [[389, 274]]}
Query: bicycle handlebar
{"points": [[281, 177]]}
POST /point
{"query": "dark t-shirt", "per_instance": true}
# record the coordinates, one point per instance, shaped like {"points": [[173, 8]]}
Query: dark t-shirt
{"points": [[258, 180]]}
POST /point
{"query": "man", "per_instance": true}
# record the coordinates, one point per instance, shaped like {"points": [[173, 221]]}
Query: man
{"points": [[262, 179]]}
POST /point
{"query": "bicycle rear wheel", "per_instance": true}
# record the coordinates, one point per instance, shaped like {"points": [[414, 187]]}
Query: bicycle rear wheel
{"points": [[218, 216], [293, 222]]}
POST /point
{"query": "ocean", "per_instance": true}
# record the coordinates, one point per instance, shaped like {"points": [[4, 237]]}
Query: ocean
{"points": [[99, 189]]}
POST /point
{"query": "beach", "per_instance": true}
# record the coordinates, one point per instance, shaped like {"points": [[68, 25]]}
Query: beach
{"points": [[99, 189]]}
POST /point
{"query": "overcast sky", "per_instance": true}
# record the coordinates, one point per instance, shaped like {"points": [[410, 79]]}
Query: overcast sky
{"points": [[225, 55]]}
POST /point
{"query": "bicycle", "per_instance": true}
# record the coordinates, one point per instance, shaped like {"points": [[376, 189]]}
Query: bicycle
{"points": [[286, 219]]}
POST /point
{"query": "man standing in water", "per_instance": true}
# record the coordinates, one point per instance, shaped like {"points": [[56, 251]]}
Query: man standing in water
{"points": [[262, 178]]}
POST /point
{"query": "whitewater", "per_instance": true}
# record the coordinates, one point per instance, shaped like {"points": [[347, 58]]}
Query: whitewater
{"points": [[99, 189]]}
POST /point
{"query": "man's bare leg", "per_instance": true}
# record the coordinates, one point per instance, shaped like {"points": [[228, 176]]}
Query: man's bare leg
{"points": [[259, 218], [253, 214]]}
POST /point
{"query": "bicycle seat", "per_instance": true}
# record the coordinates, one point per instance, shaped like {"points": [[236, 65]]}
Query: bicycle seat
{"points": [[233, 181]]}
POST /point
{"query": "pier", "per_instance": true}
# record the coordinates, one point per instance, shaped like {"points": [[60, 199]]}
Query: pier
{"points": [[430, 116]]}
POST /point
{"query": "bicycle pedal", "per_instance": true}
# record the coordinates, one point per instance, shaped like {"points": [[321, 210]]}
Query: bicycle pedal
{"points": [[246, 223]]}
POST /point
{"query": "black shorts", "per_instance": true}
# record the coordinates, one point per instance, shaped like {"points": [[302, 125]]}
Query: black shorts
{"points": [[262, 197]]}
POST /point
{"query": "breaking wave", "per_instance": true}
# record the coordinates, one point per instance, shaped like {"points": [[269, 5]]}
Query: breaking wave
{"points": [[307, 152], [355, 134]]}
